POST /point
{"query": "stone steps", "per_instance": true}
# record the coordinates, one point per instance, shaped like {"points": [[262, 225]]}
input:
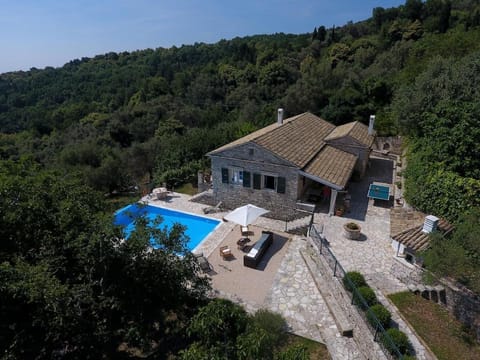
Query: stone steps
{"points": [[433, 293], [299, 226], [347, 320]]}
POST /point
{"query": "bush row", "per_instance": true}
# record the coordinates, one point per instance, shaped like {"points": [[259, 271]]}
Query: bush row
{"points": [[364, 297]]}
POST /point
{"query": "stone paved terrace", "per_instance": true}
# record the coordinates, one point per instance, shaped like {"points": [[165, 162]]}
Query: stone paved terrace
{"points": [[293, 292], [372, 255]]}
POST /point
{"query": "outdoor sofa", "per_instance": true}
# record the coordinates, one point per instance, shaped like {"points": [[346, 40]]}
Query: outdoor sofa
{"points": [[258, 250]]}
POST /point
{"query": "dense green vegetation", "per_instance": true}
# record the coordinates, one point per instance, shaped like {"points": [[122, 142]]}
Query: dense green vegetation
{"points": [[129, 119], [458, 256], [223, 330], [70, 287], [122, 122]]}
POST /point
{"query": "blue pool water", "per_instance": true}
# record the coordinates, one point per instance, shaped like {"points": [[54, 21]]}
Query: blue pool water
{"points": [[198, 227]]}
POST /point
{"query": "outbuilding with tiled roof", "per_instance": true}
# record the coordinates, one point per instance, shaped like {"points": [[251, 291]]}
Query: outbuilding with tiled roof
{"points": [[409, 234]]}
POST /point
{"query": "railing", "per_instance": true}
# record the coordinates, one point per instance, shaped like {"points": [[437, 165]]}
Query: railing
{"points": [[376, 329]]}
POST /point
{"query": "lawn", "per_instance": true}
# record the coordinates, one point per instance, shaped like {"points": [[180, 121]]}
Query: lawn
{"points": [[445, 335]]}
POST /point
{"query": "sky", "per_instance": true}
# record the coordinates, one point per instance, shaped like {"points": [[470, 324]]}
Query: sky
{"points": [[40, 33]]}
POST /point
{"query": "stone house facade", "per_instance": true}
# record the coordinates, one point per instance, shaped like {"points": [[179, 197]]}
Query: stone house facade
{"points": [[276, 167]]}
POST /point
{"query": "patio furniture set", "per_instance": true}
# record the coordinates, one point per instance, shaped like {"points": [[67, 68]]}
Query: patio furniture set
{"points": [[253, 253], [244, 216]]}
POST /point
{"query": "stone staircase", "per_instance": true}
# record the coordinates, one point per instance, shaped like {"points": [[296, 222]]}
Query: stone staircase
{"points": [[434, 293], [299, 226]]}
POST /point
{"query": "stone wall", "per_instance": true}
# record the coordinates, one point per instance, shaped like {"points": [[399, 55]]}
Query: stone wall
{"points": [[260, 162], [464, 305], [392, 144], [406, 272]]}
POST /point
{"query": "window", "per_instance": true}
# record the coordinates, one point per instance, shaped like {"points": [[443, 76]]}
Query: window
{"points": [[240, 177], [269, 182], [246, 179], [236, 176]]}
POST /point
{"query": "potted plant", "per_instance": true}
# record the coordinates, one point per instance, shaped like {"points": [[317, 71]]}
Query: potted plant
{"points": [[352, 230]]}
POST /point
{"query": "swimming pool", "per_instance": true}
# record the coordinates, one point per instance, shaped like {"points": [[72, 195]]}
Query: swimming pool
{"points": [[197, 227]]}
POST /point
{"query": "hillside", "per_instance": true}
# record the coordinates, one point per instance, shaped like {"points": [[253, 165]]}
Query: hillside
{"points": [[128, 121], [70, 137], [118, 118]]}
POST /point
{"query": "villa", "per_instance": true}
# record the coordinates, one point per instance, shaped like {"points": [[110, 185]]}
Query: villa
{"points": [[290, 163]]}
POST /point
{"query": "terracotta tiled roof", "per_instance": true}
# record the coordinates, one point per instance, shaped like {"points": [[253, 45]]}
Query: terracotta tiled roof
{"points": [[333, 165], [356, 130], [411, 235], [301, 140], [298, 139], [250, 137]]}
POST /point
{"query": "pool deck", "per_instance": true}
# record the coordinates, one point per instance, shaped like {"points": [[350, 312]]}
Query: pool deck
{"points": [[284, 283]]}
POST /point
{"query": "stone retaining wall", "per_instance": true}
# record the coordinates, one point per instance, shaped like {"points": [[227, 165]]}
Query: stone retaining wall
{"points": [[406, 272], [464, 305]]}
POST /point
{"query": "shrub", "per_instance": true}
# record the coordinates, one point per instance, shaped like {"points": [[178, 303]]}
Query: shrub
{"points": [[355, 278], [294, 352], [368, 294], [382, 315], [220, 319], [274, 324], [255, 343], [399, 339], [265, 331]]}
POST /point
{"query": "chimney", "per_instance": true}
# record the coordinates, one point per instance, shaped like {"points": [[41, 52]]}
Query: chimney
{"points": [[280, 116], [371, 124], [430, 224]]}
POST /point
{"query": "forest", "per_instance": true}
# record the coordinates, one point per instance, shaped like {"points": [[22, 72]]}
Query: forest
{"points": [[73, 137]]}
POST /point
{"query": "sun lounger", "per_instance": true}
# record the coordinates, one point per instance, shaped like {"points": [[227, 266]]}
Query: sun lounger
{"points": [[203, 263], [160, 193], [213, 209]]}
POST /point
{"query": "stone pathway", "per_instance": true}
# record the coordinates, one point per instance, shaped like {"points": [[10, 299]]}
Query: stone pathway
{"points": [[295, 296]]}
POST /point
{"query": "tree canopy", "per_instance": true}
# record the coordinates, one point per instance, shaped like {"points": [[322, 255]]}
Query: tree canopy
{"points": [[117, 118], [71, 288]]}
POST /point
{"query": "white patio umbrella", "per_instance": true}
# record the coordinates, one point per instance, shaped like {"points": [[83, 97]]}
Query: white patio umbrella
{"points": [[245, 215]]}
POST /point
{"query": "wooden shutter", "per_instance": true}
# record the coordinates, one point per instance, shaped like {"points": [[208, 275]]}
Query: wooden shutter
{"points": [[246, 179], [224, 175], [257, 181], [281, 185]]}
